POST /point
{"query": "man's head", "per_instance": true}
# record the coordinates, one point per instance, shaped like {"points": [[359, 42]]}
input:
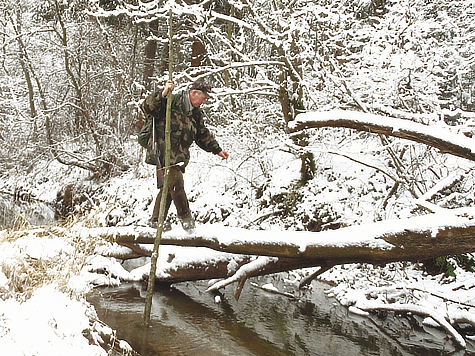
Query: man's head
{"points": [[199, 93]]}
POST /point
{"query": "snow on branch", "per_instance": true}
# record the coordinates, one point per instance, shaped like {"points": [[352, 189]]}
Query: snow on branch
{"points": [[445, 232], [442, 139], [248, 270], [210, 71], [446, 183], [417, 310]]}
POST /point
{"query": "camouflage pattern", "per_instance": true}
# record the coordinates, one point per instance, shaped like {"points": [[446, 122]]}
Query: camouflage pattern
{"points": [[186, 127]]}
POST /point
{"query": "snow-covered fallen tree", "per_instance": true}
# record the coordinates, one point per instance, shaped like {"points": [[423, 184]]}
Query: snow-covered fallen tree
{"points": [[435, 136], [444, 232], [432, 235]]}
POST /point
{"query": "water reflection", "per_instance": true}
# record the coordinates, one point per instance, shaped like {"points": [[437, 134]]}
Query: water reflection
{"points": [[187, 321]]}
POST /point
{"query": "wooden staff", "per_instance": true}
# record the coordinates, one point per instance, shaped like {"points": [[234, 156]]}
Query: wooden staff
{"points": [[161, 217]]}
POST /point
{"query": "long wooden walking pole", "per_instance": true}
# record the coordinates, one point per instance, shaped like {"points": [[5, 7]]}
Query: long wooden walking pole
{"points": [[161, 217]]}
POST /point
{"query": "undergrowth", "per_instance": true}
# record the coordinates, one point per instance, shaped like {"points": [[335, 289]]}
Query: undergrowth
{"points": [[34, 257]]}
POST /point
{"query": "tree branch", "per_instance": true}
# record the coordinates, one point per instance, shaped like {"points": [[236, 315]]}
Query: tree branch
{"points": [[418, 310], [447, 142]]}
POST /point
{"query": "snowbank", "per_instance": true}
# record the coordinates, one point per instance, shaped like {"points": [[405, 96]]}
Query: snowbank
{"points": [[43, 310], [49, 323]]}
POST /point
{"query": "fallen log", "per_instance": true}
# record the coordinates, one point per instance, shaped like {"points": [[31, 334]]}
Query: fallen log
{"points": [[441, 233], [203, 267], [448, 232]]}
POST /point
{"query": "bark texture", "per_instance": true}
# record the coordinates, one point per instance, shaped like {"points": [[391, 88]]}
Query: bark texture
{"points": [[446, 233]]}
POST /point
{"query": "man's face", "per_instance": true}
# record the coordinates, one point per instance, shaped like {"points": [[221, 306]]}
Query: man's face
{"points": [[197, 98]]}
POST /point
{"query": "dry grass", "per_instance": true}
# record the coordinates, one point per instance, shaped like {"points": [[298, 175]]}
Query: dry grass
{"points": [[68, 254], [25, 273]]}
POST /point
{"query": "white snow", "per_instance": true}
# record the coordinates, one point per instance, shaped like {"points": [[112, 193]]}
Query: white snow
{"points": [[48, 323], [269, 287], [46, 273]]}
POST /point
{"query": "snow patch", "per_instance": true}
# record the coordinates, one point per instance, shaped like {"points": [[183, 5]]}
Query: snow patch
{"points": [[49, 323]]}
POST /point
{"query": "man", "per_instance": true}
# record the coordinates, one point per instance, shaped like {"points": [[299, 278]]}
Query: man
{"points": [[187, 126]]}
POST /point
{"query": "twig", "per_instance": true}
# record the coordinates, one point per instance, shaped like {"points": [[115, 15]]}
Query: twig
{"points": [[364, 164], [390, 194], [314, 275], [419, 310], [244, 271], [443, 297], [259, 218]]}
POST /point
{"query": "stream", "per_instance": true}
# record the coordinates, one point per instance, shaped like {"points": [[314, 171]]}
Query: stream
{"points": [[188, 321], [35, 212]]}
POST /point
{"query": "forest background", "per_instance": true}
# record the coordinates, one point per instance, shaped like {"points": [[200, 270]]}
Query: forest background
{"points": [[74, 74]]}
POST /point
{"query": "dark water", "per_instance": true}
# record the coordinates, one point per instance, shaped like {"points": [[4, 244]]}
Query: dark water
{"points": [[35, 212], [187, 321]]}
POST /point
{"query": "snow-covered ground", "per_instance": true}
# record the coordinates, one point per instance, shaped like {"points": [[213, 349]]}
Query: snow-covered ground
{"points": [[45, 273], [401, 60]]}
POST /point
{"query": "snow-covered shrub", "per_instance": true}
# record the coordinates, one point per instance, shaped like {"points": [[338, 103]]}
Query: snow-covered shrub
{"points": [[448, 264]]}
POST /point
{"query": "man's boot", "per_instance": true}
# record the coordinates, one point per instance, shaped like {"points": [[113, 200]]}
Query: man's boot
{"points": [[153, 223], [187, 222]]}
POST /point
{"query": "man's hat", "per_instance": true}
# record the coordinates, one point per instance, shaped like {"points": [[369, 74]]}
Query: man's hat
{"points": [[205, 88]]}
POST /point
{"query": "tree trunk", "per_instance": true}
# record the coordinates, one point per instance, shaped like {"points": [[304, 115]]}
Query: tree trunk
{"points": [[292, 105], [150, 51], [198, 52], [230, 53], [22, 56], [440, 234]]}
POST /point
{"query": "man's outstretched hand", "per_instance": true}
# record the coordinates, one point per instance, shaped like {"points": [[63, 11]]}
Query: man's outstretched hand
{"points": [[223, 155]]}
